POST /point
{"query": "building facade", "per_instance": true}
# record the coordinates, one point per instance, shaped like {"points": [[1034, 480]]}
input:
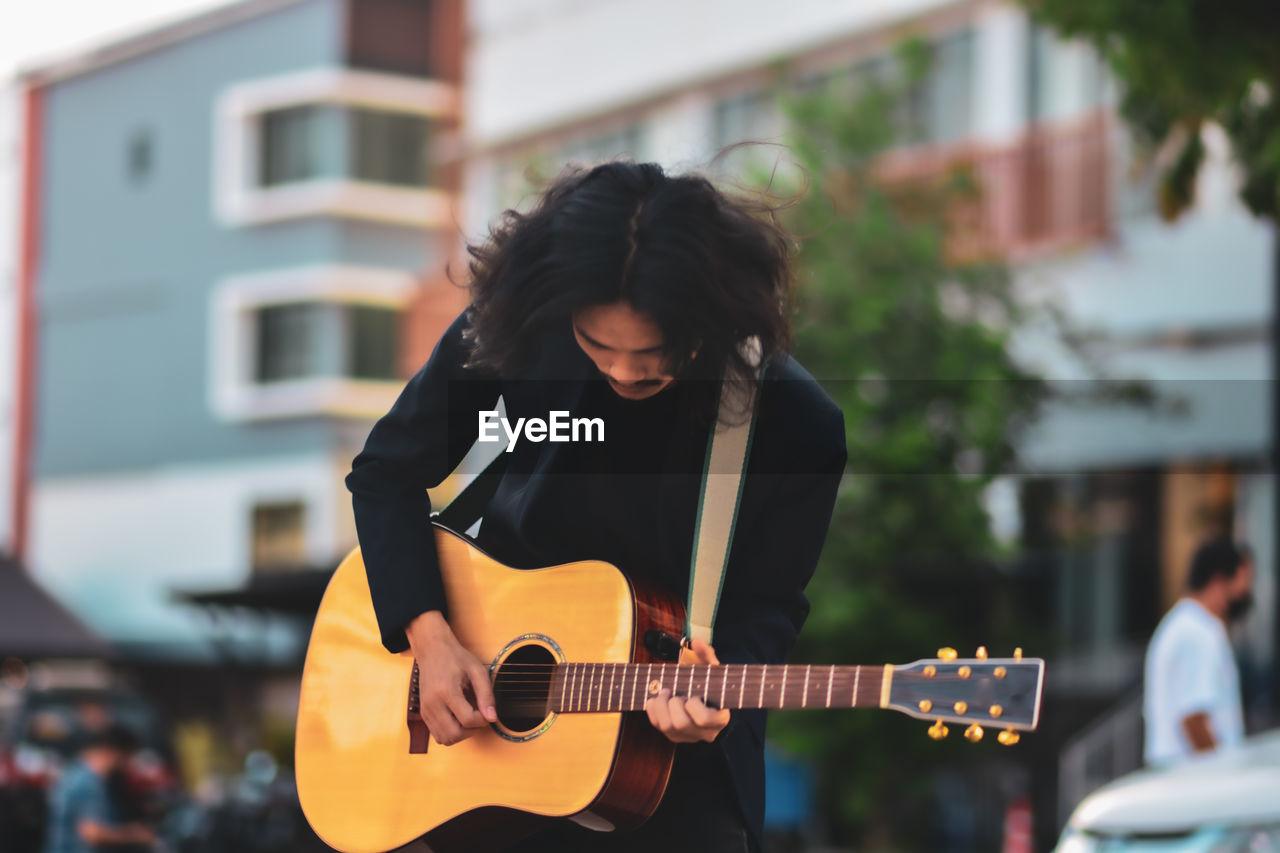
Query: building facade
{"points": [[239, 218]]}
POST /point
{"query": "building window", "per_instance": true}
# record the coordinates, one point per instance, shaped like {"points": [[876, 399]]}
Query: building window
{"points": [[746, 117], [138, 156], [296, 341], [330, 142], [388, 148], [288, 340], [279, 540], [304, 143], [289, 146], [937, 109], [310, 341], [741, 117], [374, 342], [622, 142]]}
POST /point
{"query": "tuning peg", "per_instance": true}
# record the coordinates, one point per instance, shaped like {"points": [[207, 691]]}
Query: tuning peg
{"points": [[1017, 653], [1008, 737], [981, 653], [948, 654], [938, 731], [973, 734]]}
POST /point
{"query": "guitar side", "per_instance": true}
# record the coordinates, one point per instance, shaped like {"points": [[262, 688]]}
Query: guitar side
{"points": [[361, 788]]}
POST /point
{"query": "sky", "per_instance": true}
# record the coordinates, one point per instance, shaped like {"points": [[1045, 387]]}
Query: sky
{"points": [[44, 30]]}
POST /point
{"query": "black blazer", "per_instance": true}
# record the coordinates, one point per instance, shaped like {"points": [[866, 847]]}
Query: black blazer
{"points": [[536, 517]]}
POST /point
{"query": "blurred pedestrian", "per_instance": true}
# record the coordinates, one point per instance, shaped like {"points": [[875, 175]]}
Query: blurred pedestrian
{"points": [[1192, 685], [83, 816]]}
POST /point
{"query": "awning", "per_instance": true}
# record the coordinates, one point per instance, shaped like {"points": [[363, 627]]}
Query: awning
{"points": [[34, 625], [295, 592]]}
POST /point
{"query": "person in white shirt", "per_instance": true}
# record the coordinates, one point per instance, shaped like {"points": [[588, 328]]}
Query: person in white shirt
{"points": [[1191, 697]]}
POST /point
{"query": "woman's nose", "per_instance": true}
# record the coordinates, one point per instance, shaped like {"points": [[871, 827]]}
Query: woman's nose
{"points": [[626, 370]]}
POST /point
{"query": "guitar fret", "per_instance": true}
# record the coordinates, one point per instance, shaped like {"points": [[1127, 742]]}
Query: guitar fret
{"points": [[706, 687], [573, 686], [566, 699], [831, 680], [764, 675], [597, 682], [804, 697], [857, 674], [782, 691], [742, 687], [613, 670], [724, 682]]}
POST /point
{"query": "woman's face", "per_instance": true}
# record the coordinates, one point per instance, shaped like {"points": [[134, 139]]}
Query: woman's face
{"points": [[626, 346]]}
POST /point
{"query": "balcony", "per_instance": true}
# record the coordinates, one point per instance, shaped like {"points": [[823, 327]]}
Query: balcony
{"points": [[1045, 192]]}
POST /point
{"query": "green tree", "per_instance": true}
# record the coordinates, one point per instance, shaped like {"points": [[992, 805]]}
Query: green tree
{"points": [[913, 344], [1183, 63]]}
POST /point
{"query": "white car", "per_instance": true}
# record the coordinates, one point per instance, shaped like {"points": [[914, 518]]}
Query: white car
{"points": [[1224, 802]]}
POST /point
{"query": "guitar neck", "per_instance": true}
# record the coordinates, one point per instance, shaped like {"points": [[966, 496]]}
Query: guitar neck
{"points": [[590, 687]]}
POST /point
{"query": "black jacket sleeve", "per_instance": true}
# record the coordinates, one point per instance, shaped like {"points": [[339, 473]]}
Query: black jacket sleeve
{"points": [[410, 449]]}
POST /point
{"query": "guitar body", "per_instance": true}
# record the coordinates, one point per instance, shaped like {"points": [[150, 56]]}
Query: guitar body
{"points": [[362, 788]]}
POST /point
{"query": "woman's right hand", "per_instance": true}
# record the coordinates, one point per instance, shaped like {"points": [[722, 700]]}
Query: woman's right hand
{"points": [[455, 696]]}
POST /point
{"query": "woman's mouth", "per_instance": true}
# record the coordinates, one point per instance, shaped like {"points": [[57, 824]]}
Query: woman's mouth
{"points": [[639, 388]]}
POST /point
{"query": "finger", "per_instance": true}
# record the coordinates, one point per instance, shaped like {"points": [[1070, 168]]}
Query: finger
{"points": [[679, 716], [704, 717], [703, 651], [656, 708], [444, 728], [463, 711], [483, 691]]}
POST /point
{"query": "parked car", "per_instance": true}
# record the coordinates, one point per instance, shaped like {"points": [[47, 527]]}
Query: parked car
{"points": [[45, 733], [1224, 802]]}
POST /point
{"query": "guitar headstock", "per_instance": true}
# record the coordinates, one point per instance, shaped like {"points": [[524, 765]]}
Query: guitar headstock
{"points": [[975, 692]]}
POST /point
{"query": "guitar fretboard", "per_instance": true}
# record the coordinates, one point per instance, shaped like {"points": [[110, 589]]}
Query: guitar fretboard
{"points": [[588, 687]]}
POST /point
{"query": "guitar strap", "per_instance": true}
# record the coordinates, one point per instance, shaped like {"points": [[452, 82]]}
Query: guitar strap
{"points": [[469, 504], [722, 481]]}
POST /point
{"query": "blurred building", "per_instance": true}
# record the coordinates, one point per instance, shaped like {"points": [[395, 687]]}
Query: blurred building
{"points": [[9, 240], [1112, 499], [239, 224]]}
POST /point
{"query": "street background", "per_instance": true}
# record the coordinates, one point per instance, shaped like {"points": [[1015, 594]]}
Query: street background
{"points": [[1038, 271]]}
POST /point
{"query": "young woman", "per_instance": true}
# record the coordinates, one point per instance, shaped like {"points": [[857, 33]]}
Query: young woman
{"points": [[624, 295]]}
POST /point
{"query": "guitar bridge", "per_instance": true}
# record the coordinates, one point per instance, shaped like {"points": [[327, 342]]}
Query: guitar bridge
{"points": [[419, 734]]}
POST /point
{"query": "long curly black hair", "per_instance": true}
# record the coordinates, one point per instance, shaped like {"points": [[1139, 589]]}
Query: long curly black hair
{"points": [[712, 270]]}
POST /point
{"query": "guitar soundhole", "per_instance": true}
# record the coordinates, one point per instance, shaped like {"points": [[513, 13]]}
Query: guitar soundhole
{"points": [[522, 687]]}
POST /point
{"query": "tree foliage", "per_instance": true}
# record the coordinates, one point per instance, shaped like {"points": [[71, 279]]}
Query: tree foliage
{"points": [[1184, 63], [914, 347]]}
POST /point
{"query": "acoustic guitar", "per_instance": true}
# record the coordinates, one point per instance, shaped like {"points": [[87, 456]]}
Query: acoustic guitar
{"points": [[574, 652]]}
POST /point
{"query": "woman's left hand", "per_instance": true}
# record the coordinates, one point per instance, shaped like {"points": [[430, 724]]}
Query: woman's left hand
{"points": [[688, 719]]}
